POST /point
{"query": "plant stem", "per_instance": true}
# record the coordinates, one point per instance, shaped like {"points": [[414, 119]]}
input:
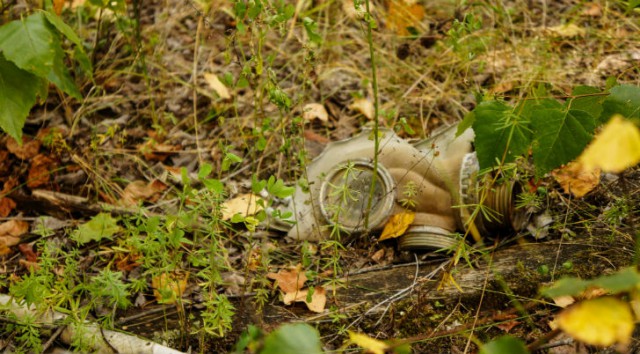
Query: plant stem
{"points": [[376, 138]]}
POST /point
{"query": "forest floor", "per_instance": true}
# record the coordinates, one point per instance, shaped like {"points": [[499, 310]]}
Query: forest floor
{"points": [[180, 85]]}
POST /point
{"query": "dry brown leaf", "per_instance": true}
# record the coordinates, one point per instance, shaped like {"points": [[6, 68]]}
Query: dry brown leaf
{"points": [[6, 206], [592, 10], [318, 298], [27, 251], [10, 233], [289, 280], [39, 171], [5, 163], [313, 111], [28, 149], [350, 10], [137, 191], [155, 151], [363, 106], [244, 204], [169, 283], [403, 14], [216, 85], [397, 225], [574, 179], [507, 326], [377, 256]]}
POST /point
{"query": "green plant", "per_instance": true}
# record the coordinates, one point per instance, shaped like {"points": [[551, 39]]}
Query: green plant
{"points": [[31, 56], [555, 132]]}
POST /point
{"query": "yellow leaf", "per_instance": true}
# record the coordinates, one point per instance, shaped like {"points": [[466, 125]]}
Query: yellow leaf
{"points": [[313, 111], [575, 179], [363, 106], [245, 205], [603, 321], [567, 30], [217, 86], [615, 148], [169, 283], [370, 344], [403, 14], [397, 225]]}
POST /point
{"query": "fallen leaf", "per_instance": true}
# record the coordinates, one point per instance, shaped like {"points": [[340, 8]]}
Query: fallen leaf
{"points": [[397, 225], [155, 151], [14, 228], [216, 85], [102, 225], [313, 111], [10, 232], [564, 300], [137, 191], [567, 30], [27, 251], [615, 148], [245, 205], [574, 179], [363, 106], [31, 266], [6, 206], [40, 171], [318, 298], [289, 280], [602, 321], [28, 150], [168, 287], [127, 261], [312, 136], [507, 326], [5, 163], [402, 14], [592, 10], [371, 345], [377, 256], [353, 12]]}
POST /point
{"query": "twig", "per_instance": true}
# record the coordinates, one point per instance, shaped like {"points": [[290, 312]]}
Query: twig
{"points": [[53, 337]]}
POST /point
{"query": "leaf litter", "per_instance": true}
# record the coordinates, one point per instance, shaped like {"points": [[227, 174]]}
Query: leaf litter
{"points": [[128, 153]]}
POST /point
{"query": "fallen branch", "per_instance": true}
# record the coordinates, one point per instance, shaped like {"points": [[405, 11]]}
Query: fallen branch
{"points": [[104, 341]]}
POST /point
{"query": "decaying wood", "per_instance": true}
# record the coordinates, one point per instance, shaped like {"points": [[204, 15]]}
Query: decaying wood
{"points": [[520, 269]]}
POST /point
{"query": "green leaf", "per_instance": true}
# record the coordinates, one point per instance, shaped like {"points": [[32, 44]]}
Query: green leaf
{"points": [[565, 286], [561, 134], [205, 170], [19, 90], [100, 226], [29, 43], [293, 338], [504, 345], [59, 75], [467, 122], [311, 27], [499, 133], [588, 99], [71, 35], [624, 100], [623, 280]]}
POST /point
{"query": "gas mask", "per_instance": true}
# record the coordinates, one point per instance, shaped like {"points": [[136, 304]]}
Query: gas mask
{"points": [[436, 178]]}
